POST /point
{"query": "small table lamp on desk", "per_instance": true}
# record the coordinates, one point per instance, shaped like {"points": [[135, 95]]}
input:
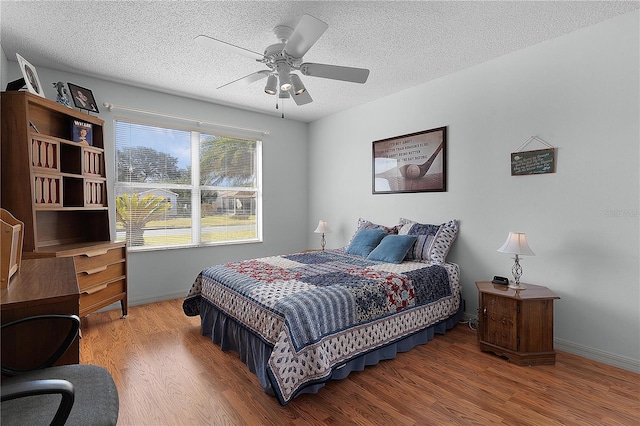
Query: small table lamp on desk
{"points": [[323, 228]]}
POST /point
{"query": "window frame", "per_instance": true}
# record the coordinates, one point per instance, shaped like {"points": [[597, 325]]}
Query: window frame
{"points": [[195, 187]]}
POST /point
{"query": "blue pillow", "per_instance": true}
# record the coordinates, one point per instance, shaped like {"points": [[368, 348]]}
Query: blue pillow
{"points": [[365, 241], [393, 248]]}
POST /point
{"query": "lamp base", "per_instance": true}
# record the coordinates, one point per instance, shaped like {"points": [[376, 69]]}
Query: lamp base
{"points": [[517, 273]]}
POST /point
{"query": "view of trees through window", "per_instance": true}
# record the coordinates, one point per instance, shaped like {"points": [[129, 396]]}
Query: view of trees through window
{"points": [[182, 188]]}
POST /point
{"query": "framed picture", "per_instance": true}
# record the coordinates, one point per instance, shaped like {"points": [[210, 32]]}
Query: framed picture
{"points": [[82, 98], [30, 76], [82, 132], [411, 163]]}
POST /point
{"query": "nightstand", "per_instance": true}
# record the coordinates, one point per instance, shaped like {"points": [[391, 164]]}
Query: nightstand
{"points": [[516, 324]]}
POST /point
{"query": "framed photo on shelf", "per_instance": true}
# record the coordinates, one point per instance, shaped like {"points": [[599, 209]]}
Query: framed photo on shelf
{"points": [[82, 132], [30, 76], [416, 162], [83, 98]]}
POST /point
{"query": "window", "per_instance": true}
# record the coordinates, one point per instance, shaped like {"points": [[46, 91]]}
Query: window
{"points": [[178, 188]]}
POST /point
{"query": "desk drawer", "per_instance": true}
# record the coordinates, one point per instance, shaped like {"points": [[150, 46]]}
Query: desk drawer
{"points": [[100, 275], [100, 296], [99, 257]]}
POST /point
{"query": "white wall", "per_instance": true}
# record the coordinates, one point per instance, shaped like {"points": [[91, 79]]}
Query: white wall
{"points": [[166, 274], [579, 93], [3, 69]]}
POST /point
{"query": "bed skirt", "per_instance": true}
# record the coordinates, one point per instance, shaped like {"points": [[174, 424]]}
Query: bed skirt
{"points": [[254, 352]]}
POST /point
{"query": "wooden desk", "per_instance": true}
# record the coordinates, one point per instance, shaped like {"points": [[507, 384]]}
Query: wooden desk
{"points": [[42, 286]]}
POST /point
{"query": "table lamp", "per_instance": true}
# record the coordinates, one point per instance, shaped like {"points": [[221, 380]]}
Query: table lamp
{"points": [[516, 244], [322, 228]]}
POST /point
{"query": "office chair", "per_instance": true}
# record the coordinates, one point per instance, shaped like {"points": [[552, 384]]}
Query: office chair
{"points": [[77, 394]]}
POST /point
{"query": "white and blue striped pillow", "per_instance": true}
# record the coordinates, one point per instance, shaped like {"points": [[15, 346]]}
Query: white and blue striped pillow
{"points": [[433, 242]]}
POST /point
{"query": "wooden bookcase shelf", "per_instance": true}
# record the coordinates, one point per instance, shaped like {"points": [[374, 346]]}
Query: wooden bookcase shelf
{"points": [[58, 189]]}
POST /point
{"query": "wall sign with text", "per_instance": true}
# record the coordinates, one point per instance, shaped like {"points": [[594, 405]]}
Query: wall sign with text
{"points": [[533, 162]]}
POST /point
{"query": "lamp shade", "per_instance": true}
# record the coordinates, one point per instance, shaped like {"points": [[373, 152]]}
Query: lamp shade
{"points": [[516, 244], [323, 228], [270, 88], [298, 87], [285, 81]]}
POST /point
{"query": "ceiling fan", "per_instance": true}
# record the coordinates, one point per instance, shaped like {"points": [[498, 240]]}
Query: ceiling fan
{"points": [[284, 57]]}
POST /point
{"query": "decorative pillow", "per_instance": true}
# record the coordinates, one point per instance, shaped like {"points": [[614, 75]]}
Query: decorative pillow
{"points": [[392, 248], [365, 224], [433, 242], [365, 241]]}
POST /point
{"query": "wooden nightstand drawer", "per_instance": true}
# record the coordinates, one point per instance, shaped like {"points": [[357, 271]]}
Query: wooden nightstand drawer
{"points": [[100, 275], [99, 296], [100, 257]]}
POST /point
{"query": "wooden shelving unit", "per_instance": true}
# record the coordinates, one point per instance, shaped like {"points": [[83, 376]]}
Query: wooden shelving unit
{"points": [[58, 189]]}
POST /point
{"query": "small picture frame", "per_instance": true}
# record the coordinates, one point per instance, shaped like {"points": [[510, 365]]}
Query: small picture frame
{"points": [[30, 76], [82, 98], [82, 132]]}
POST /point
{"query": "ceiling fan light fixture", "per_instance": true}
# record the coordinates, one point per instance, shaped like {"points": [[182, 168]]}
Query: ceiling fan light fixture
{"points": [[285, 81], [270, 88], [298, 87]]}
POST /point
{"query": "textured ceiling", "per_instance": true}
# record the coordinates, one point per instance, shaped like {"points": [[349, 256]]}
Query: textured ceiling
{"points": [[404, 44]]}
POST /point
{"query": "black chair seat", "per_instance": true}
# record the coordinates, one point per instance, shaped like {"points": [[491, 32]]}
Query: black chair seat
{"points": [[96, 398]]}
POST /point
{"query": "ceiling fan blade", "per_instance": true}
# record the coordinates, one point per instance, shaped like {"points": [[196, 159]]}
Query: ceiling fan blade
{"points": [[303, 98], [247, 79], [334, 72], [306, 33], [219, 44]]}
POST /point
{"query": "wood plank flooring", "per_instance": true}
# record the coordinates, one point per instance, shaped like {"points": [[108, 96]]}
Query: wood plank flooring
{"points": [[167, 373]]}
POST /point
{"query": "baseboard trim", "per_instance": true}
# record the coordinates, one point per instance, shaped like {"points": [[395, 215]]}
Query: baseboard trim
{"points": [[158, 298], [467, 317], [598, 355], [145, 301]]}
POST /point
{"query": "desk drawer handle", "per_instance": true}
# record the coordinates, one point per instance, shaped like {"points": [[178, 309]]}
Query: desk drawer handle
{"points": [[95, 270], [95, 289], [94, 253]]}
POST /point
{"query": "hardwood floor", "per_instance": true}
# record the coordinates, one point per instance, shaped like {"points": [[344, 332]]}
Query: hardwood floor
{"points": [[167, 373]]}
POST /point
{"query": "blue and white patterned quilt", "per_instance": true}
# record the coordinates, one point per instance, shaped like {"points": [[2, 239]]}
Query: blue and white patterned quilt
{"points": [[321, 309]]}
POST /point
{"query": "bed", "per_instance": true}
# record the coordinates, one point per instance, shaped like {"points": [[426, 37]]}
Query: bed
{"points": [[302, 319]]}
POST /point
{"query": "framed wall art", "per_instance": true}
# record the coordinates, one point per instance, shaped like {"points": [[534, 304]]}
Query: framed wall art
{"points": [[411, 163], [82, 98], [30, 76]]}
